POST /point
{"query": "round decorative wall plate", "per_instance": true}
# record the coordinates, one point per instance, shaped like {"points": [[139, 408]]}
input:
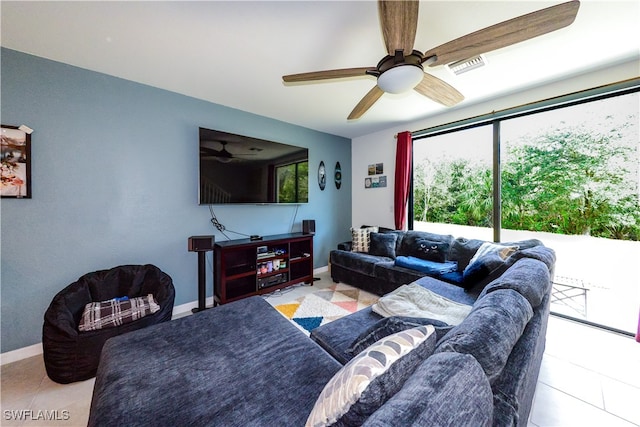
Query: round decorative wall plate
{"points": [[338, 175], [322, 176]]}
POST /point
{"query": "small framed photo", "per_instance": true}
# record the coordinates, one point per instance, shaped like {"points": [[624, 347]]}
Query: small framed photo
{"points": [[375, 169], [15, 157]]}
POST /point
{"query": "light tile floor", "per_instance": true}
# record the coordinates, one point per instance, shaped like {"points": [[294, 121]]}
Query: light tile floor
{"points": [[589, 377]]}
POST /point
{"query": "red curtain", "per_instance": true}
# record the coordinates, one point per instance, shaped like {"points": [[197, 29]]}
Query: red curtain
{"points": [[402, 180]]}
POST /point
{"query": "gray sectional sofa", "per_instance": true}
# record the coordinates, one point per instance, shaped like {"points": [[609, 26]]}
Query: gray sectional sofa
{"points": [[394, 258], [244, 364]]}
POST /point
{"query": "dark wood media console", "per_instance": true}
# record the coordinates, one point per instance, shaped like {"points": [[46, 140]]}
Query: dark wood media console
{"points": [[247, 267]]}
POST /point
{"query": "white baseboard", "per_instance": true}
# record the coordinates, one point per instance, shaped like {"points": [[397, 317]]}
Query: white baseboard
{"points": [[178, 311], [21, 353], [181, 309]]}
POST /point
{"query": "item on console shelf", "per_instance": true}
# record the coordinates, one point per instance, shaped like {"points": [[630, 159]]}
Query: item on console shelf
{"points": [[276, 279], [266, 255]]}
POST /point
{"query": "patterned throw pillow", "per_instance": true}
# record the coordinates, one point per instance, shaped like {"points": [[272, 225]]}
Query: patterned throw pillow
{"points": [[390, 325], [364, 384], [489, 258], [360, 239], [116, 312], [488, 248]]}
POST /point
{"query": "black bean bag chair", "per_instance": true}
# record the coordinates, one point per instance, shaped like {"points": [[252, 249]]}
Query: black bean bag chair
{"points": [[71, 355]]}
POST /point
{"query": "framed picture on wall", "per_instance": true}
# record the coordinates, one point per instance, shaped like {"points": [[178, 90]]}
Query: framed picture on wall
{"points": [[15, 156]]}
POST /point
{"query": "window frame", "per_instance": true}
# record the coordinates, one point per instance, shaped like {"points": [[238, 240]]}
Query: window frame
{"points": [[495, 119]]}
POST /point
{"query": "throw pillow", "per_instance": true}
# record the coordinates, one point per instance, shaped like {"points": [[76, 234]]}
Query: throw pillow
{"points": [[488, 258], [360, 239], [383, 244], [364, 384], [490, 248], [462, 250], [427, 249], [390, 325], [116, 312]]}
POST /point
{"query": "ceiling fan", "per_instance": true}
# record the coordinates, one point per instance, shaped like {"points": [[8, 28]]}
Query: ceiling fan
{"points": [[223, 155], [402, 69]]}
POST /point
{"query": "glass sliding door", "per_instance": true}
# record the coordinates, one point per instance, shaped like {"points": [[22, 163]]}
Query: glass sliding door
{"points": [[570, 177], [452, 183], [566, 174]]}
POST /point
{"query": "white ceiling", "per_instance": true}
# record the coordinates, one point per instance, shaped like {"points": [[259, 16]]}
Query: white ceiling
{"points": [[235, 53]]}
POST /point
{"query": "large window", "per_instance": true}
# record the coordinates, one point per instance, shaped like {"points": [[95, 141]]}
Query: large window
{"points": [[569, 176], [452, 181]]}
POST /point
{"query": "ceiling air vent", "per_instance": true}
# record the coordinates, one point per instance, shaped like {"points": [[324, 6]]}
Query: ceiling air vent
{"points": [[463, 66]]}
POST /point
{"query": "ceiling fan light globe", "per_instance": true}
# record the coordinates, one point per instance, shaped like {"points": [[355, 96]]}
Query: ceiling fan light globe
{"points": [[401, 78]]}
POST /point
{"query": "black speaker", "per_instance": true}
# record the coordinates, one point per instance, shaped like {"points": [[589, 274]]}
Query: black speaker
{"points": [[309, 226], [201, 243]]}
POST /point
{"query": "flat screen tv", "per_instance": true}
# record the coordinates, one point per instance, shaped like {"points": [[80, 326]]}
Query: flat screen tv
{"points": [[237, 169]]}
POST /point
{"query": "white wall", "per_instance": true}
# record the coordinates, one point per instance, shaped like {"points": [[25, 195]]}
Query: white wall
{"points": [[375, 206]]}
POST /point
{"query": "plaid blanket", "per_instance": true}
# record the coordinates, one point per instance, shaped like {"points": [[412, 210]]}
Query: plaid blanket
{"points": [[115, 312]]}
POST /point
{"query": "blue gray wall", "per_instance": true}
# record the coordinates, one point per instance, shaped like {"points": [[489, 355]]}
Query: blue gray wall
{"points": [[115, 173]]}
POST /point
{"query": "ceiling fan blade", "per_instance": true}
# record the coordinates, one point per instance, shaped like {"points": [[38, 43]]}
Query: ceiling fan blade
{"points": [[328, 74], [506, 33], [399, 21], [365, 103], [210, 152], [438, 90]]}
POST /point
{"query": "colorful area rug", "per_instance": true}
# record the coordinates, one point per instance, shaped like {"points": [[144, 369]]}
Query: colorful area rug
{"points": [[315, 309]]}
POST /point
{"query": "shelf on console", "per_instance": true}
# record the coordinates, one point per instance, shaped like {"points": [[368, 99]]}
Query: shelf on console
{"points": [[237, 265]]}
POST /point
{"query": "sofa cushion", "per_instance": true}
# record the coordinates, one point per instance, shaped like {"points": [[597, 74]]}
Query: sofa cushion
{"points": [[399, 236], [431, 268], [529, 277], [514, 389], [489, 258], [391, 325], [371, 378], [412, 241], [336, 337], [462, 250], [360, 239], [454, 293], [491, 330], [389, 272], [448, 389], [204, 369], [541, 253], [383, 244], [356, 261]]}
